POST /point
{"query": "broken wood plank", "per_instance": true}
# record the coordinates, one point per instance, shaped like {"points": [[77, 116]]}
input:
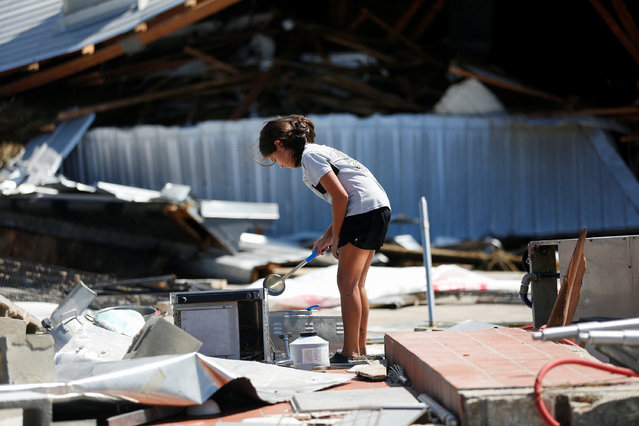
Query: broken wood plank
{"points": [[566, 303]]}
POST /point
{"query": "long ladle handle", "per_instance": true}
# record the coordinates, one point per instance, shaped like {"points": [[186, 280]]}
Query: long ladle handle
{"points": [[302, 263]]}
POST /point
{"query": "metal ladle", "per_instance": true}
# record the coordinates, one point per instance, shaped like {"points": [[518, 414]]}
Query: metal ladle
{"points": [[274, 283]]}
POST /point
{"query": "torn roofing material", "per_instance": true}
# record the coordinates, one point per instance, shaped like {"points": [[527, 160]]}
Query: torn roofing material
{"points": [[178, 380], [34, 30], [43, 31], [42, 156]]}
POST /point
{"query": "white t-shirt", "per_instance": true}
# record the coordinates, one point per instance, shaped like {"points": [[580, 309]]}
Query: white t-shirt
{"points": [[364, 192]]}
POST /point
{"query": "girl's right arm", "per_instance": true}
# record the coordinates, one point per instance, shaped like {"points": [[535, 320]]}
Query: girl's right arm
{"points": [[339, 203], [324, 243]]}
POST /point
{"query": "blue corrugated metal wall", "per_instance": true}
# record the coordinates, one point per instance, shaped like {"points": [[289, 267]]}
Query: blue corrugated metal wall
{"points": [[498, 176]]}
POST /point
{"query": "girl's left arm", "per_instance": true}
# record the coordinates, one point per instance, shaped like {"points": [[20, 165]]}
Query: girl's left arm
{"points": [[339, 204]]}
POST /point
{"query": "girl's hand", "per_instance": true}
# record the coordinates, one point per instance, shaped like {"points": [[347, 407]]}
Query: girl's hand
{"points": [[335, 249], [322, 245]]}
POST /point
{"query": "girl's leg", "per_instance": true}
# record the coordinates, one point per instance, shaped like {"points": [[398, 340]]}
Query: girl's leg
{"points": [[353, 262], [363, 323]]}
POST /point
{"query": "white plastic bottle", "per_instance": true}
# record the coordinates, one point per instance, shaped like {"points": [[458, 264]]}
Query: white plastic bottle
{"points": [[309, 350]]}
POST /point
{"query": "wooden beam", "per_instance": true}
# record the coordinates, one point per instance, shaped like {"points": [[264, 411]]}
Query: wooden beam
{"points": [[359, 19], [97, 77], [405, 18], [121, 103], [189, 16], [390, 31], [428, 19], [616, 29], [626, 19], [504, 84], [630, 138], [629, 110]]}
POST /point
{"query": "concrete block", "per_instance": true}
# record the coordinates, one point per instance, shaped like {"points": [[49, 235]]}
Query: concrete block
{"points": [[160, 337], [507, 407], [602, 405], [36, 407], [27, 358], [12, 326]]}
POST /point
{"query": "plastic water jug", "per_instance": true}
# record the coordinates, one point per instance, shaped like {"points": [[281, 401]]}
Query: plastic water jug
{"points": [[309, 350]]}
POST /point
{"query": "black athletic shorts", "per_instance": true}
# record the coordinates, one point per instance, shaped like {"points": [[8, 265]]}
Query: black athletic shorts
{"points": [[367, 230]]}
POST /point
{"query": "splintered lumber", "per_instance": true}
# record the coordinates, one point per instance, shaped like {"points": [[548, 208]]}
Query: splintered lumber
{"points": [[568, 298]]}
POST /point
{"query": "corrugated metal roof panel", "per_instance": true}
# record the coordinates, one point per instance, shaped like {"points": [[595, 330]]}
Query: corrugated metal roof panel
{"points": [[44, 154], [34, 30], [498, 176]]}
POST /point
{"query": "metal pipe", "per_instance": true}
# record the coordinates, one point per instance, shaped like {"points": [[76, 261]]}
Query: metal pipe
{"points": [[444, 416], [625, 337], [428, 263], [554, 333]]}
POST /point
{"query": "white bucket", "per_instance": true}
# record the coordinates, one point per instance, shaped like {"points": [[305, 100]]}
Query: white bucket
{"points": [[309, 351]]}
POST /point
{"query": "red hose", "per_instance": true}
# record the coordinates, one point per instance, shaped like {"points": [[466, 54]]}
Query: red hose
{"points": [[552, 364], [567, 342]]}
